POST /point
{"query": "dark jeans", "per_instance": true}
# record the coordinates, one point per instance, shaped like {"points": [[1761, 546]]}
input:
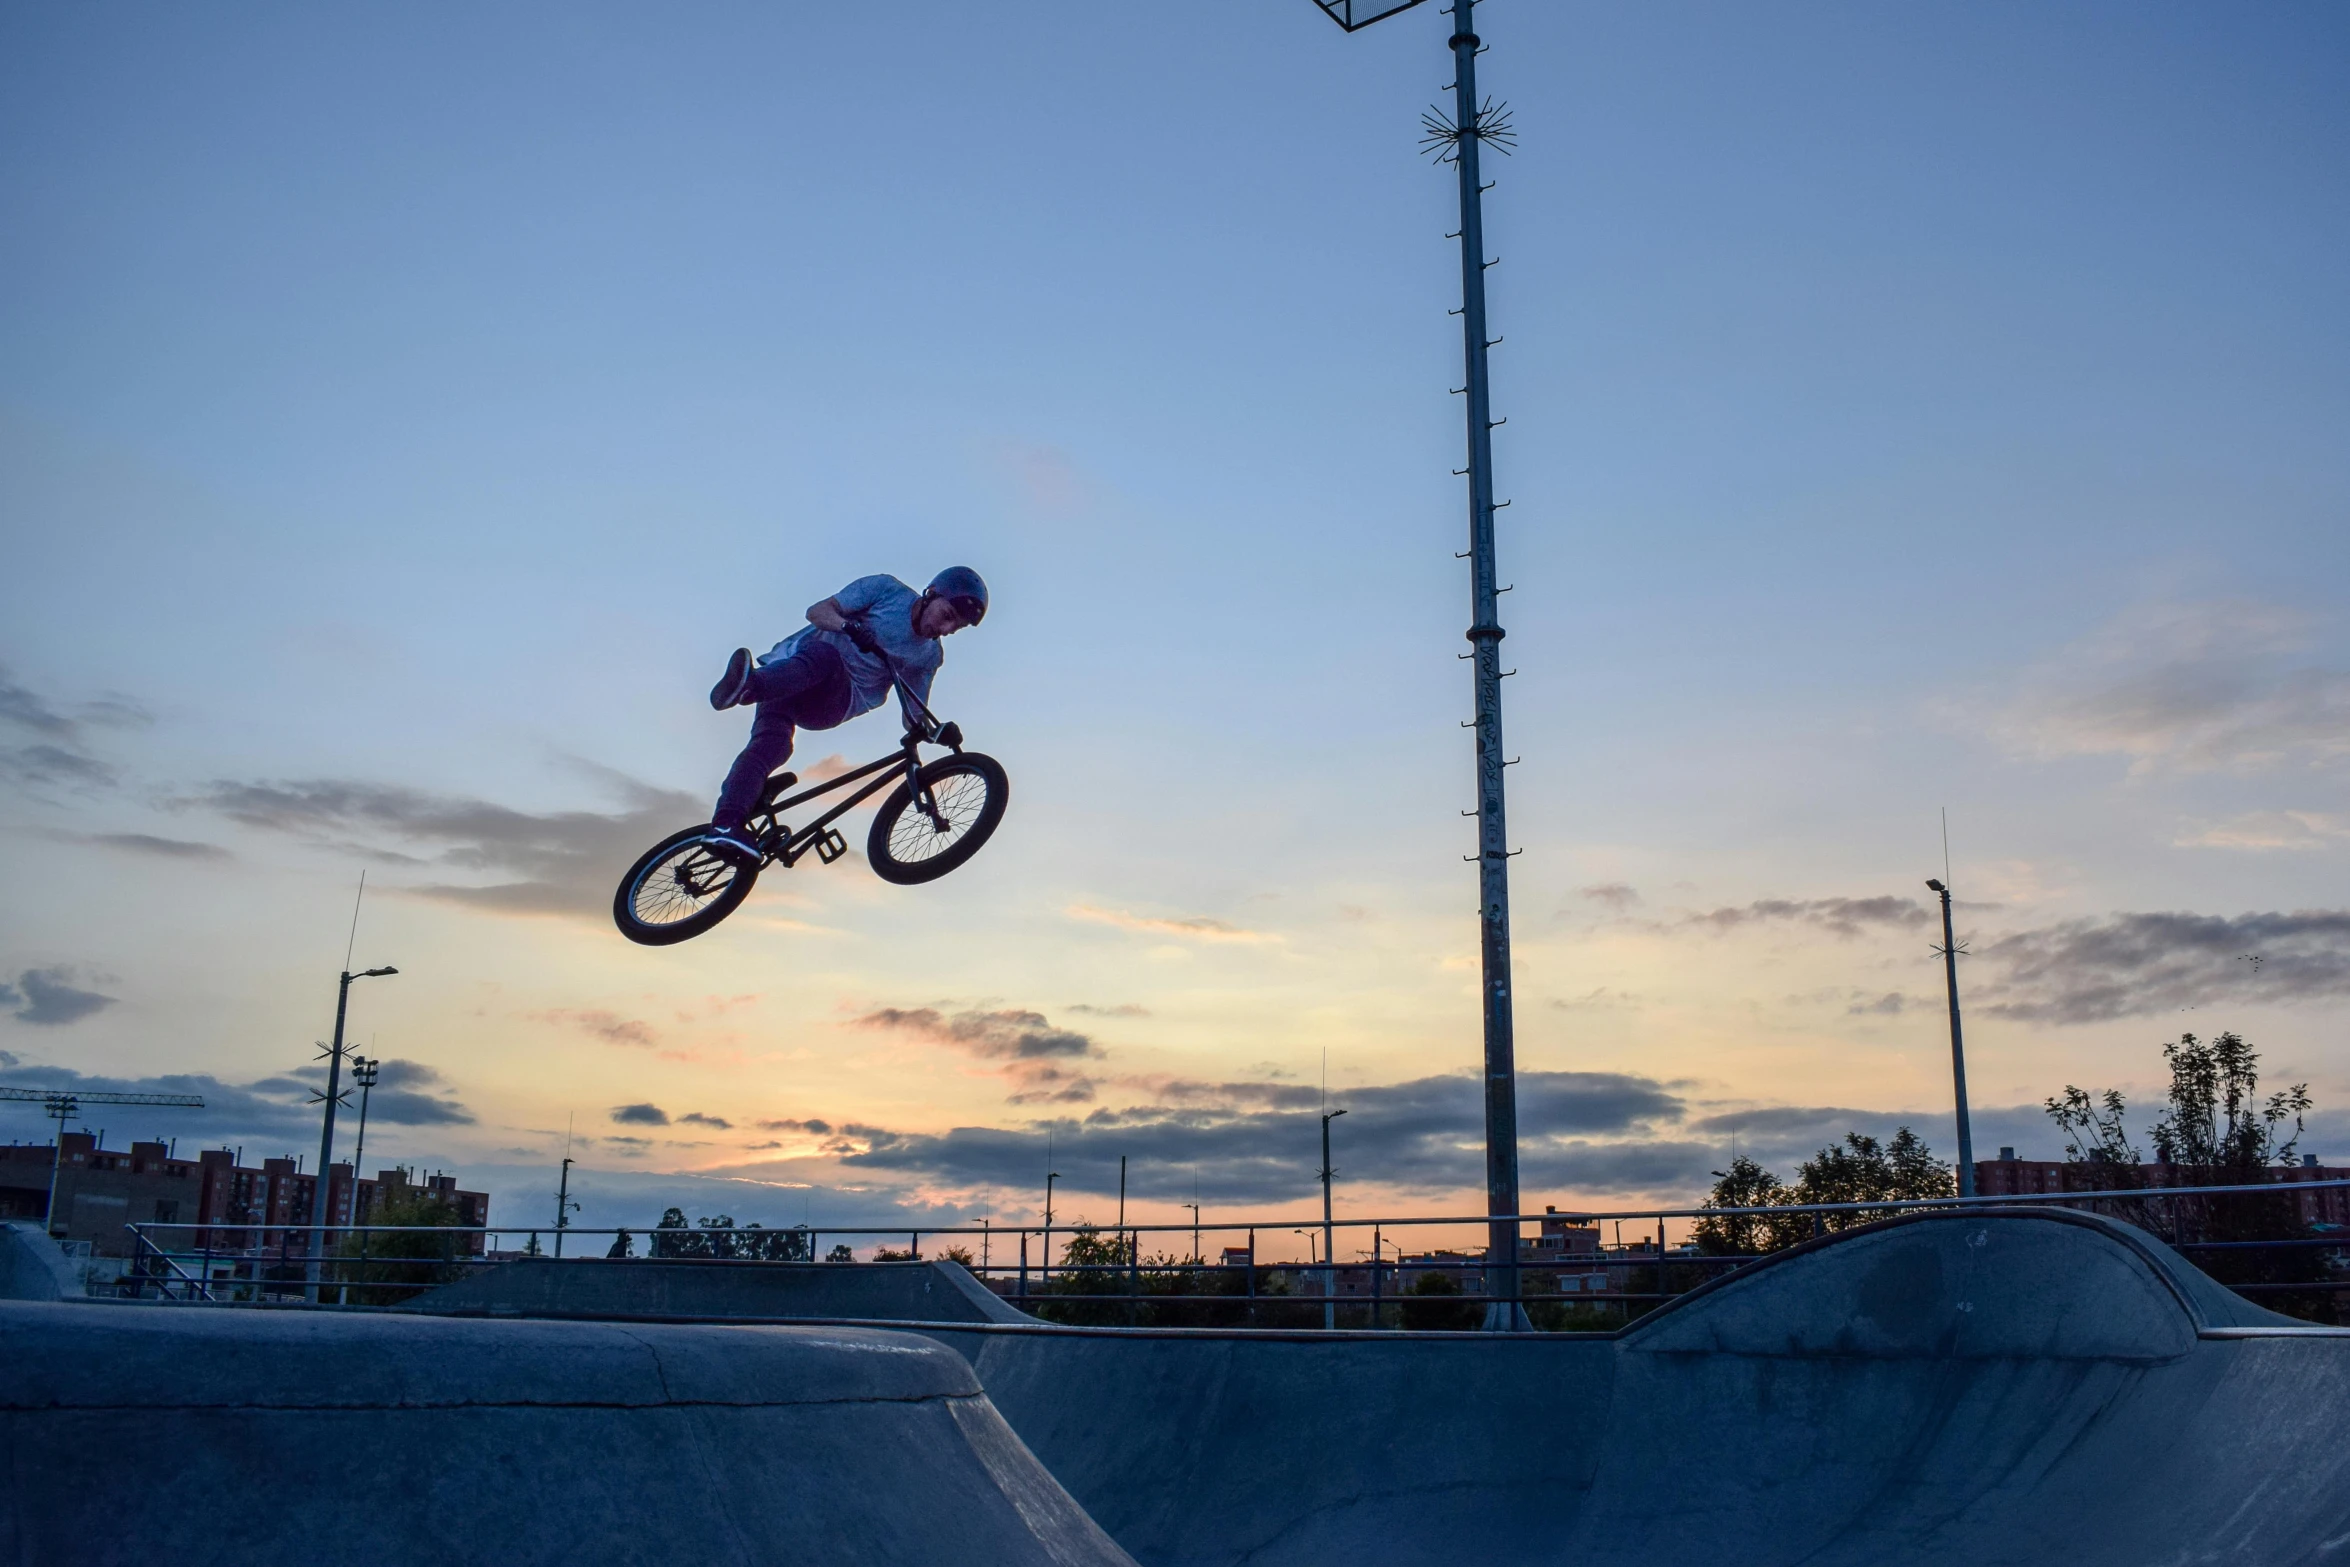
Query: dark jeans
{"points": [[809, 690]]}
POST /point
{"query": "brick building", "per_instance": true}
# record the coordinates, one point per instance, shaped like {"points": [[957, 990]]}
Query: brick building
{"points": [[2008, 1176], [229, 1208]]}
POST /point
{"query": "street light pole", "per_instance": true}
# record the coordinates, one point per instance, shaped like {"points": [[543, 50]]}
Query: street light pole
{"points": [[564, 1205], [322, 1190], [1459, 139], [1966, 1132], [1045, 1268], [1329, 1257]]}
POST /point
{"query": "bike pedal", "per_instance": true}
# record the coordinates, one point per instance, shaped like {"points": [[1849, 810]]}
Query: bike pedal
{"points": [[831, 846]]}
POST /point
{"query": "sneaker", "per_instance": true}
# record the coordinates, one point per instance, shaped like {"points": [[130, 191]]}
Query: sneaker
{"points": [[735, 684], [735, 846]]}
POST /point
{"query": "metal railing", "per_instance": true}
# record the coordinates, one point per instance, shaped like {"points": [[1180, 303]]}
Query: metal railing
{"points": [[1167, 1285]]}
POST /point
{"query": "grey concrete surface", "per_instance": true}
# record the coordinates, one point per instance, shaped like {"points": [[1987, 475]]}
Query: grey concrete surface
{"points": [[1995, 1389], [32, 1266], [646, 1287], [2019, 1387], [143, 1433]]}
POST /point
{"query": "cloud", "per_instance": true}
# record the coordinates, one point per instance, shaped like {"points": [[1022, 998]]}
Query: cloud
{"points": [[1891, 1004], [697, 1118], [1616, 895], [1025, 1046], [1602, 999], [1256, 1142], [1837, 916], [269, 1117], [553, 863], [819, 1127], [2138, 965], [2185, 687], [610, 1027], [640, 1115], [47, 997], [409, 1093], [1194, 927], [1122, 1009], [163, 848], [25, 709], [996, 1036], [56, 754], [2258, 830]]}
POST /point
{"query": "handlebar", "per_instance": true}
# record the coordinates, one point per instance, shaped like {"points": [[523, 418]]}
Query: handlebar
{"points": [[925, 724]]}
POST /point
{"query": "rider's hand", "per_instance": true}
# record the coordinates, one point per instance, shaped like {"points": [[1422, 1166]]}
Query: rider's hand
{"points": [[862, 635]]}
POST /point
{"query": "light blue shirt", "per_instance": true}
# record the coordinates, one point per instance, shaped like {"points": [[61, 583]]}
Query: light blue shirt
{"points": [[888, 607]]}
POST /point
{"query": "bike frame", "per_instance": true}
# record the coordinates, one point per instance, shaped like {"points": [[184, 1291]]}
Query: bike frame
{"points": [[778, 843]]}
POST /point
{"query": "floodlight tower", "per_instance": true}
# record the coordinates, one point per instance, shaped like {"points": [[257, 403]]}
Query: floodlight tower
{"points": [[1458, 139]]}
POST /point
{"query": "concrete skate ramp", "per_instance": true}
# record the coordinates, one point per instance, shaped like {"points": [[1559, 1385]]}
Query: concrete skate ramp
{"points": [[32, 1266], [655, 1288], [142, 1433], [2019, 1388]]}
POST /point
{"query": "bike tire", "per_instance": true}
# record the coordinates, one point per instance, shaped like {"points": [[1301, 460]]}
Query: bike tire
{"points": [[654, 916], [971, 790]]}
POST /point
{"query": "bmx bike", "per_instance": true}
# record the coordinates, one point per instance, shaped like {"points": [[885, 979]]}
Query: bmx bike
{"points": [[939, 816]]}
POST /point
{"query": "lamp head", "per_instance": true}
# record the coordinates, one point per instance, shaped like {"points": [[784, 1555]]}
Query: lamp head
{"points": [[1935, 886], [378, 973]]}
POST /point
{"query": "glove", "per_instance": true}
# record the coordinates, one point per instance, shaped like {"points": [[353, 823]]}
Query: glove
{"points": [[862, 636]]}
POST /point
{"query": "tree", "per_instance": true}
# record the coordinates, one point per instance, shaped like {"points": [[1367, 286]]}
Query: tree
{"points": [[2215, 1130], [2095, 1139], [1745, 1184], [1860, 1169], [840, 1254], [673, 1237], [405, 1258], [961, 1254], [2214, 1122], [893, 1254], [1432, 1302], [1863, 1171]]}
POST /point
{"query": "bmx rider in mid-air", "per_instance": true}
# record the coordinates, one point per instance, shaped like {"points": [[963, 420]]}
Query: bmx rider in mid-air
{"points": [[837, 666]]}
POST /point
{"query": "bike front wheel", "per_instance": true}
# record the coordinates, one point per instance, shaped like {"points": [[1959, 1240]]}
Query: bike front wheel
{"points": [[678, 890], [909, 844]]}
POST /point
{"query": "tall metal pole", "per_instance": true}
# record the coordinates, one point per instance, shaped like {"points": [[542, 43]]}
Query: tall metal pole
{"points": [[365, 1073], [1045, 1268], [1966, 1132], [1329, 1257], [60, 1106], [563, 1205], [1485, 634], [326, 1140], [326, 1137]]}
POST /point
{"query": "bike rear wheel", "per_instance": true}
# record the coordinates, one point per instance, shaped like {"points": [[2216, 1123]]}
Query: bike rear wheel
{"points": [[907, 845], [678, 890]]}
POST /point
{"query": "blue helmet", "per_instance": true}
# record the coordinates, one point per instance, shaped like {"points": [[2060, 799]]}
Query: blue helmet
{"points": [[963, 588]]}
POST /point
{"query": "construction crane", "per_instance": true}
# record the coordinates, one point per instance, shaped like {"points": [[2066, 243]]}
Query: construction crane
{"points": [[64, 1104]]}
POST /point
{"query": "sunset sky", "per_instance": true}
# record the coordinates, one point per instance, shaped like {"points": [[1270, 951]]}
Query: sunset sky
{"points": [[403, 411]]}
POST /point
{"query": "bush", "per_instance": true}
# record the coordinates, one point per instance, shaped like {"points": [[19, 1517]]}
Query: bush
{"points": [[380, 1270]]}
